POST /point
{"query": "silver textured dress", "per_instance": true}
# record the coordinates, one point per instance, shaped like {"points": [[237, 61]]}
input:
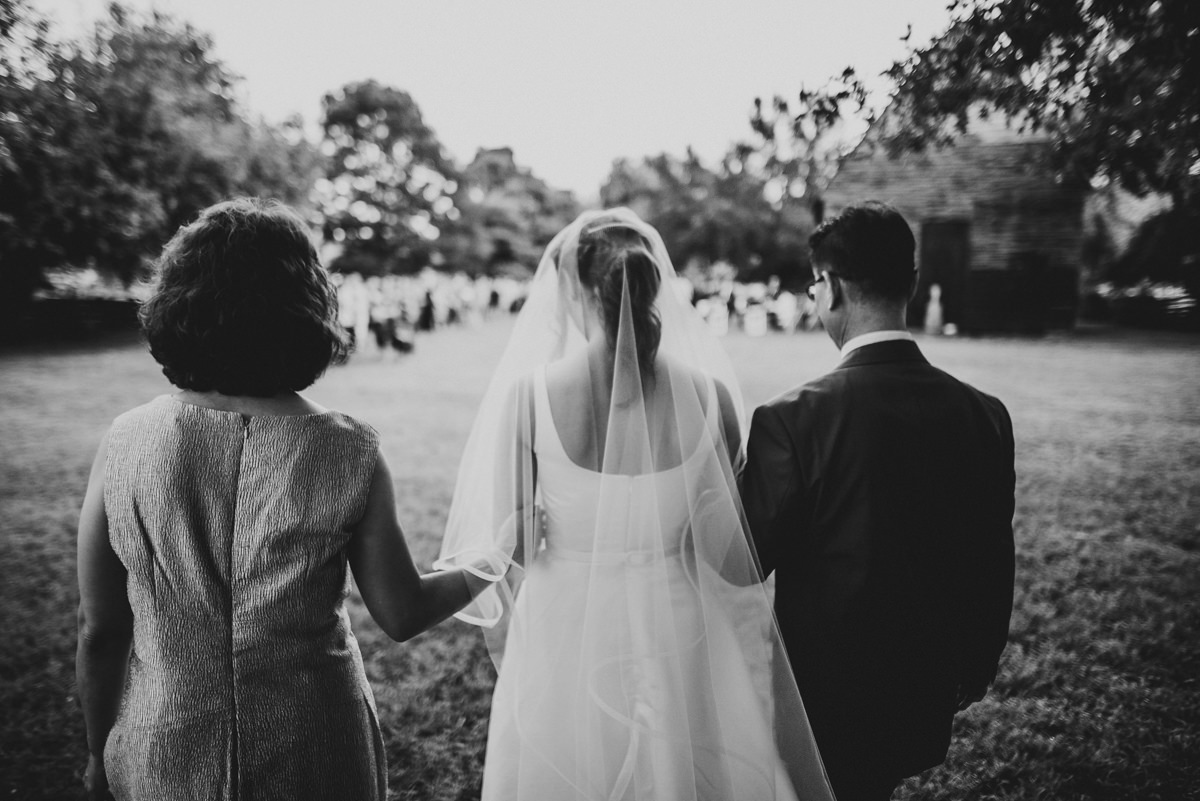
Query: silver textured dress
{"points": [[245, 680]]}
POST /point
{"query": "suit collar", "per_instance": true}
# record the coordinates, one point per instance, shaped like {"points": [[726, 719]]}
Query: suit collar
{"points": [[875, 336], [896, 350]]}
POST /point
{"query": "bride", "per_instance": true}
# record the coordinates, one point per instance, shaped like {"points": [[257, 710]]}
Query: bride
{"points": [[637, 652]]}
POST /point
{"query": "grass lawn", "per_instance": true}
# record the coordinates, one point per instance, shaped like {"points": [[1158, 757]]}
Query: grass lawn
{"points": [[1099, 689]]}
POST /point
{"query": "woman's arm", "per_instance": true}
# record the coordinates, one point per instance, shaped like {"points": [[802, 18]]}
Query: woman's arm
{"points": [[402, 601], [105, 626]]}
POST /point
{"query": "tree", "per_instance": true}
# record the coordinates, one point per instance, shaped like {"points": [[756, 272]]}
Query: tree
{"points": [[109, 143], [677, 197], [106, 166], [795, 152], [798, 148], [709, 215], [26, 51], [1115, 83], [509, 215], [389, 189]]}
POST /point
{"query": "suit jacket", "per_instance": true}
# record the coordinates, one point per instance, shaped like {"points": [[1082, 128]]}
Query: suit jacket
{"points": [[881, 495]]}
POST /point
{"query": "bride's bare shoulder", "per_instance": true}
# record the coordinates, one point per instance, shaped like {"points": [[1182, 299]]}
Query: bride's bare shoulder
{"points": [[704, 385], [568, 378], [685, 375]]}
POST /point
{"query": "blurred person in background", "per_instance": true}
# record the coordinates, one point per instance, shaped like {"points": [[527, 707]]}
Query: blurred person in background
{"points": [[215, 655], [353, 307]]}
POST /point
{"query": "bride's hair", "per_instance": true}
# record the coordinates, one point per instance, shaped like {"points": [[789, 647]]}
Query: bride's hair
{"points": [[609, 254]]}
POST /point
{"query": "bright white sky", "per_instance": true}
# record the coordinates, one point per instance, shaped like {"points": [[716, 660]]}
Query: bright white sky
{"points": [[569, 86]]}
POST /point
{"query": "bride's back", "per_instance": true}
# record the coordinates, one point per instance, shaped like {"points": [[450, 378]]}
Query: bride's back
{"points": [[618, 477], [627, 424]]}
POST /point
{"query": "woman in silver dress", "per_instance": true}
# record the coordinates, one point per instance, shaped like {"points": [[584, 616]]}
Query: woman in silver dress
{"points": [[215, 653]]}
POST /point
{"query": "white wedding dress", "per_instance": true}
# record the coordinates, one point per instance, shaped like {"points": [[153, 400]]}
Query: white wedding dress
{"points": [[662, 707], [638, 655]]}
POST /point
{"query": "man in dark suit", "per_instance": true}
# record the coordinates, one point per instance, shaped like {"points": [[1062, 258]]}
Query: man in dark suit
{"points": [[881, 495]]}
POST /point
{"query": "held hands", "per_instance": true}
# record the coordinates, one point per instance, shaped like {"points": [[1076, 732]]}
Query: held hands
{"points": [[95, 780], [532, 519], [540, 524]]}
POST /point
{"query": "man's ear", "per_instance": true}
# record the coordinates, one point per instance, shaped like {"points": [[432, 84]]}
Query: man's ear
{"points": [[836, 293], [916, 284]]}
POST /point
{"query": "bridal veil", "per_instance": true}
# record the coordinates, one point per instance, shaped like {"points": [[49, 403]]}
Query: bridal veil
{"points": [[655, 662]]}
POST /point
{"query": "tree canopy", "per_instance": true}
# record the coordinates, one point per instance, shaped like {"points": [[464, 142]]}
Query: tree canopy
{"points": [[509, 215], [110, 142], [1116, 84], [397, 202], [389, 188], [799, 145], [708, 215], [757, 207]]}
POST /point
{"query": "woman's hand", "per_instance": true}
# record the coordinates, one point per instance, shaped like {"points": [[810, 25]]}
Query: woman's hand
{"points": [[95, 780], [402, 601]]}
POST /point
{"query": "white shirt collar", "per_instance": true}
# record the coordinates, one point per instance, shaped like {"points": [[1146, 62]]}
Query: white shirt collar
{"points": [[872, 338]]}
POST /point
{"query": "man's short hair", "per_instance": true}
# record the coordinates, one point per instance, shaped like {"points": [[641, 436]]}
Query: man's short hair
{"points": [[870, 245], [242, 305]]}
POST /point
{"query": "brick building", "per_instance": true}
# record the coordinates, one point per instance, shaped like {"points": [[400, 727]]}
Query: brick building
{"points": [[995, 230]]}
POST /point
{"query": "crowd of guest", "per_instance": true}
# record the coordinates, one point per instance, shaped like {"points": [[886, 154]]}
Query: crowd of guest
{"points": [[385, 314], [755, 308]]}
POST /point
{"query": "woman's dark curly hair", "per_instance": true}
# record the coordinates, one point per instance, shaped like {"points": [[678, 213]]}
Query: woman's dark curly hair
{"points": [[242, 305]]}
